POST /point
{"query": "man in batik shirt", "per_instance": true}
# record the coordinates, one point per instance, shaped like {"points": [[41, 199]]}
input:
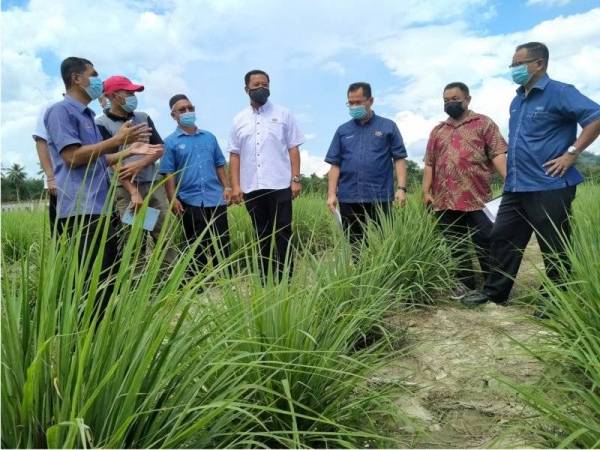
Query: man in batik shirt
{"points": [[461, 155]]}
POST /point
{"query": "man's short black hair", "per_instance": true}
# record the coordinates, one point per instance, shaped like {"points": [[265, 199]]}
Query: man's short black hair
{"points": [[255, 72], [366, 88], [72, 65], [176, 98], [458, 84], [536, 50]]}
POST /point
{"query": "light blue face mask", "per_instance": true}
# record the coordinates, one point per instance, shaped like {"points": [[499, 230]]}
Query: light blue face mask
{"points": [[130, 104], [187, 119], [94, 90], [358, 112], [520, 74]]}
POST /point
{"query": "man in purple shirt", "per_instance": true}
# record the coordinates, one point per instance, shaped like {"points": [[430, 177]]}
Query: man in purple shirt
{"points": [[80, 157]]}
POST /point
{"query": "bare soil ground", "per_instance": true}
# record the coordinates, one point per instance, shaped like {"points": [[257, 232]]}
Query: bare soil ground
{"points": [[459, 359]]}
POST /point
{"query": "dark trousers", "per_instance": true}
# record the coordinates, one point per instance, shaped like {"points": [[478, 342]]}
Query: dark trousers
{"points": [[89, 224], [52, 212], [356, 215], [547, 213], [271, 214], [211, 225], [457, 227]]}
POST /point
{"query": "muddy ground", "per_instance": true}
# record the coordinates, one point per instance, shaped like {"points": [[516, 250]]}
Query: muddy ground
{"points": [[457, 360]]}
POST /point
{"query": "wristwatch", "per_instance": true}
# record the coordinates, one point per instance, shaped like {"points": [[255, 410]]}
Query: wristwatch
{"points": [[572, 150], [295, 179], [402, 188]]}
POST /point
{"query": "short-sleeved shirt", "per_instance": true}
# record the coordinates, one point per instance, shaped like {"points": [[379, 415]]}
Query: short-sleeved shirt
{"points": [[81, 190], [460, 154], [40, 128], [109, 124], [263, 137], [542, 126], [365, 154], [194, 158]]}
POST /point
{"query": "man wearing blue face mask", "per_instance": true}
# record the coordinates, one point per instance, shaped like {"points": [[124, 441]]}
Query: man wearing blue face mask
{"points": [[196, 184], [364, 154], [541, 179]]}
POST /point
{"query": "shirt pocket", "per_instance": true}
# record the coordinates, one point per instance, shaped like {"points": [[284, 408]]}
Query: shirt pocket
{"points": [[538, 123], [276, 131]]}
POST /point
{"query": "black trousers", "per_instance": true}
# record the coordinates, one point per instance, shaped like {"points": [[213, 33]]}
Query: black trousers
{"points": [[211, 223], [271, 214], [457, 226], [52, 212], [356, 215], [547, 213], [89, 224]]}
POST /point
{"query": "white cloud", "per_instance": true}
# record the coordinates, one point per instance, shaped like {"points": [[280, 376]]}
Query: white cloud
{"points": [[312, 164], [548, 2]]}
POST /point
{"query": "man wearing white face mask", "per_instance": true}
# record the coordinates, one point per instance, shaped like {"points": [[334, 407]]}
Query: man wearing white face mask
{"points": [[138, 175]]}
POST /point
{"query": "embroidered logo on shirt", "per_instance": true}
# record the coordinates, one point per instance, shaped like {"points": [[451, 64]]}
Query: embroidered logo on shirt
{"points": [[539, 108], [181, 146], [349, 136], [274, 119], [378, 133]]}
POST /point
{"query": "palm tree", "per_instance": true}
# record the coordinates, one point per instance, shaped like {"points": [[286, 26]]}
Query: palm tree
{"points": [[16, 176]]}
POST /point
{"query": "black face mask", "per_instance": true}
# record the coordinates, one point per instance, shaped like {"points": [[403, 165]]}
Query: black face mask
{"points": [[454, 109], [259, 95]]}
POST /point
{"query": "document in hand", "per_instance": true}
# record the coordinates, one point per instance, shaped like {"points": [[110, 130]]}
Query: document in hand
{"points": [[491, 208], [338, 217], [150, 218]]}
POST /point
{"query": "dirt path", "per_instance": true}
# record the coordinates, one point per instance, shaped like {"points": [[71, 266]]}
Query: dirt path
{"points": [[457, 357]]}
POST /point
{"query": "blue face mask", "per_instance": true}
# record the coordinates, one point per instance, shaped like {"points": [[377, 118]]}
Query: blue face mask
{"points": [[358, 112], [94, 90], [187, 119], [130, 104], [520, 75]]}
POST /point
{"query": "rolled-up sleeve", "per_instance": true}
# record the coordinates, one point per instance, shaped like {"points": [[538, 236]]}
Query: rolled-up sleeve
{"points": [[61, 127], [167, 162], [293, 135], [576, 105], [397, 144], [234, 145], [333, 155]]}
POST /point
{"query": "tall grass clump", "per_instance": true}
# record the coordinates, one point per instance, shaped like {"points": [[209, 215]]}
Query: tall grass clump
{"points": [[568, 396], [180, 361], [22, 231]]}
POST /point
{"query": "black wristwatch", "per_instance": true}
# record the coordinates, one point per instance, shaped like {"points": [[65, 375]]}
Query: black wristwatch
{"points": [[402, 188]]}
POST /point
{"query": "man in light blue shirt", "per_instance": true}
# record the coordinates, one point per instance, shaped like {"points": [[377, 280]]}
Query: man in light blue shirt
{"points": [[541, 179], [197, 184]]}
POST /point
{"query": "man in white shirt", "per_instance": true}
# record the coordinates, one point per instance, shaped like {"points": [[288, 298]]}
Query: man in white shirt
{"points": [[265, 170], [40, 136]]}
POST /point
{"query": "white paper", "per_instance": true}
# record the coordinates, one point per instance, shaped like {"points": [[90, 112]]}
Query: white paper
{"points": [[150, 218], [338, 217], [491, 208]]}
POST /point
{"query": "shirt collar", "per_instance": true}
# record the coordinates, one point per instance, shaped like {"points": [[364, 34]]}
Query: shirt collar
{"points": [[112, 116], [539, 84], [262, 109], [457, 123], [77, 104], [359, 121], [181, 132]]}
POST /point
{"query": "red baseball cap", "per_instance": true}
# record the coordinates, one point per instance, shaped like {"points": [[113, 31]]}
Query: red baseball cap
{"points": [[120, 83]]}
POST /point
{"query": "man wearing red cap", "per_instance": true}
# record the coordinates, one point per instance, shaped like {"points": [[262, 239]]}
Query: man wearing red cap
{"points": [[138, 174]]}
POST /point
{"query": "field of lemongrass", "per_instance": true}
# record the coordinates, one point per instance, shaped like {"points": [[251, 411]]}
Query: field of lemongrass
{"points": [[223, 360]]}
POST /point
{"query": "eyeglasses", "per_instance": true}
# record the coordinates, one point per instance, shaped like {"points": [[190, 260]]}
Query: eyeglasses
{"points": [[185, 109], [527, 61]]}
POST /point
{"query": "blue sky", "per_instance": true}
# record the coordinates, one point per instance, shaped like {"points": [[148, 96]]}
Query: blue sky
{"points": [[312, 49]]}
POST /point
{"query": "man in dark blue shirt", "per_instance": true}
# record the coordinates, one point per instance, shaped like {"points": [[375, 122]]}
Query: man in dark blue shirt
{"points": [[363, 155], [541, 179]]}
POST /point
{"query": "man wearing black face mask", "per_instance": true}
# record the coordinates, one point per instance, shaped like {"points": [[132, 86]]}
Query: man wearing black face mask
{"points": [[265, 170], [459, 161]]}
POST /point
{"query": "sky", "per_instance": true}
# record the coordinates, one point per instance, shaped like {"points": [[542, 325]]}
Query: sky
{"points": [[408, 50]]}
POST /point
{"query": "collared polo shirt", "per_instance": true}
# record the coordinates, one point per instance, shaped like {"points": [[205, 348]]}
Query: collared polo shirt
{"points": [[365, 155], [80, 190], [460, 154], [542, 126], [109, 124], [194, 159], [263, 137]]}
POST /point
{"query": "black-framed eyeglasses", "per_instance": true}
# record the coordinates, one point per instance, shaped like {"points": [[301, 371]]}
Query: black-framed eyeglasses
{"points": [[527, 61]]}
